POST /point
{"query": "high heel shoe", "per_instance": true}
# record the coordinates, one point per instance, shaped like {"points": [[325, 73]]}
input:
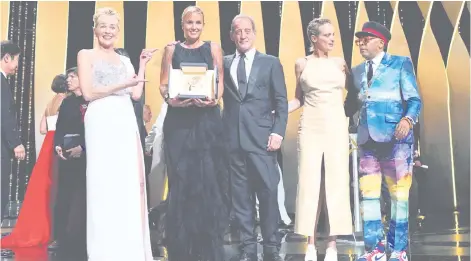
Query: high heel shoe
{"points": [[331, 254], [311, 253]]}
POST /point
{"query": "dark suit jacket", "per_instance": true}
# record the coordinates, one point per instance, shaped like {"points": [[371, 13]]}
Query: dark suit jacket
{"points": [[249, 121], [70, 120], [10, 132]]}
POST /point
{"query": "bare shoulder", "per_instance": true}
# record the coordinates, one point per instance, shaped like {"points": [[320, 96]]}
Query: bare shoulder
{"points": [[216, 49], [300, 63], [84, 56], [215, 46], [169, 49], [85, 53]]}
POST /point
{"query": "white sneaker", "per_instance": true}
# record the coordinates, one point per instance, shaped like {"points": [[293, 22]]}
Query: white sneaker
{"points": [[330, 254], [311, 253], [373, 256]]}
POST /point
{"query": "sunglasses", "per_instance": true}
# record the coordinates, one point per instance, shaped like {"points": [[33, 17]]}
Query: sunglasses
{"points": [[364, 40]]}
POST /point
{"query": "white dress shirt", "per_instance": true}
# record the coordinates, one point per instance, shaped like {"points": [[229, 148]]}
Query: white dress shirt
{"points": [[376, 62], [4, 74], [249, 57]]}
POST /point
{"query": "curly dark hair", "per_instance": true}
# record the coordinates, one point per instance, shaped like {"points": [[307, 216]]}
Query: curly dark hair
{"points": [[59, 84]]}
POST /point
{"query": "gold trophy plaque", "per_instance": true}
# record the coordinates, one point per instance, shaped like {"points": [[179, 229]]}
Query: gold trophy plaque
{"points": [[192, 81]]}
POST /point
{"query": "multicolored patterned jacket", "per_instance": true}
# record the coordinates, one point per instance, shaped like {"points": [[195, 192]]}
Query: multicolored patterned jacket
{"points": [[392, 95]]}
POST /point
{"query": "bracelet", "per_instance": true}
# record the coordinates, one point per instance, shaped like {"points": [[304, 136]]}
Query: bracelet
{"points": [[408, 121]]}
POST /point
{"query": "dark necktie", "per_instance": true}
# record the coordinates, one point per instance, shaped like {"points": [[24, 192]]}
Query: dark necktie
{"points": [[241, 76], [370, 72]]}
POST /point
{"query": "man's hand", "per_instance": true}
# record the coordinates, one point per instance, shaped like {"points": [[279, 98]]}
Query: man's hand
{"points": [[417, 163], [75, 152], [19, 152], [274, 142], [60, 153], [402, 129]]}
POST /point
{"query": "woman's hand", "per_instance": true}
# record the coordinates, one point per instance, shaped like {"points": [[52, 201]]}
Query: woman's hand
{"points": [[173, 43], [176, 102], [75, 152], [146, 55], [60, 153], [205, 103], [133, 81]]}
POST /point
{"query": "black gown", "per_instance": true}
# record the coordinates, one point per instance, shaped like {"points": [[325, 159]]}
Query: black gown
{"points": [[197, 166]]}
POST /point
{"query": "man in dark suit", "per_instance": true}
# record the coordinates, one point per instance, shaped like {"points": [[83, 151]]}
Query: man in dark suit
{"points": [[254, 86], [11, 141]]}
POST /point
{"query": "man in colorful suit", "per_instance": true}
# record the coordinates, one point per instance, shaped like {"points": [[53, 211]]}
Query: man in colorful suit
{"points": [[385, 92]]}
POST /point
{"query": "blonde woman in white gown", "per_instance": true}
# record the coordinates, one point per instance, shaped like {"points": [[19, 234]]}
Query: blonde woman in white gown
{"points": [[117, 225]]}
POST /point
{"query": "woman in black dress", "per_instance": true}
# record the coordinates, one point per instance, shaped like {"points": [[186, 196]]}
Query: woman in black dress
{"points": [[196, 156]]}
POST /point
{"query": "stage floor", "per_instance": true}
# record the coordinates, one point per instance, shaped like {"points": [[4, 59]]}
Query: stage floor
{"points": [[443, 245]]}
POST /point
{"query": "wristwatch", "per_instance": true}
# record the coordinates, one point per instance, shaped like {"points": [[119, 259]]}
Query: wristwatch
{"points": [[166, 97]]}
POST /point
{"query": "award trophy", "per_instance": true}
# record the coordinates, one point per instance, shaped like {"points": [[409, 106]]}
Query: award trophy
{"points": [[192, 81]]}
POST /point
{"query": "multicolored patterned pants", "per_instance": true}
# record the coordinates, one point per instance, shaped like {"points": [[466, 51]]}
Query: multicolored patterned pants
{"points": [[394, 161]]}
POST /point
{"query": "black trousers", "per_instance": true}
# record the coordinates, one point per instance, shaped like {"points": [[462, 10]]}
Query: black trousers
{"points": [[255, 174], [6, 169], [70, 212]]}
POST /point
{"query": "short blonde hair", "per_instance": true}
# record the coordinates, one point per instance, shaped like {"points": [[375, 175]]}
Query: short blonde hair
{"points": [[105, 11], [313, 29], [192, 9]]}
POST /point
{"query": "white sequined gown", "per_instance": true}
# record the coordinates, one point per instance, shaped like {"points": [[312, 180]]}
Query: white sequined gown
{"points": [[117, 226]]}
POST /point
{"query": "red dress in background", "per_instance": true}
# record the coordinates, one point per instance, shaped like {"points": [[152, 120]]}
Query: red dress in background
{"points": [[33, 227]]}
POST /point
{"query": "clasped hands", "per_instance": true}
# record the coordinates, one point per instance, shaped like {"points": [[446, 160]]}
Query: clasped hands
{"points": [[19, 152], [75, 152], [176, 102]]}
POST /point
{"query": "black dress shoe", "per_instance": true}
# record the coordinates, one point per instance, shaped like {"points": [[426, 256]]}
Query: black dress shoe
{"points": [[246, 257], [272, 257], [6, 253]]}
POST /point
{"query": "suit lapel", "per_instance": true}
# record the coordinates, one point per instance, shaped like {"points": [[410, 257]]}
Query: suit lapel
{"points": [[4, 79], [233, 86], [382, 67], [256, 64]]}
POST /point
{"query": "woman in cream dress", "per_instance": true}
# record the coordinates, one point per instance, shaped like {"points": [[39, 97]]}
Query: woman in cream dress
{"points": [[323, 135]]}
